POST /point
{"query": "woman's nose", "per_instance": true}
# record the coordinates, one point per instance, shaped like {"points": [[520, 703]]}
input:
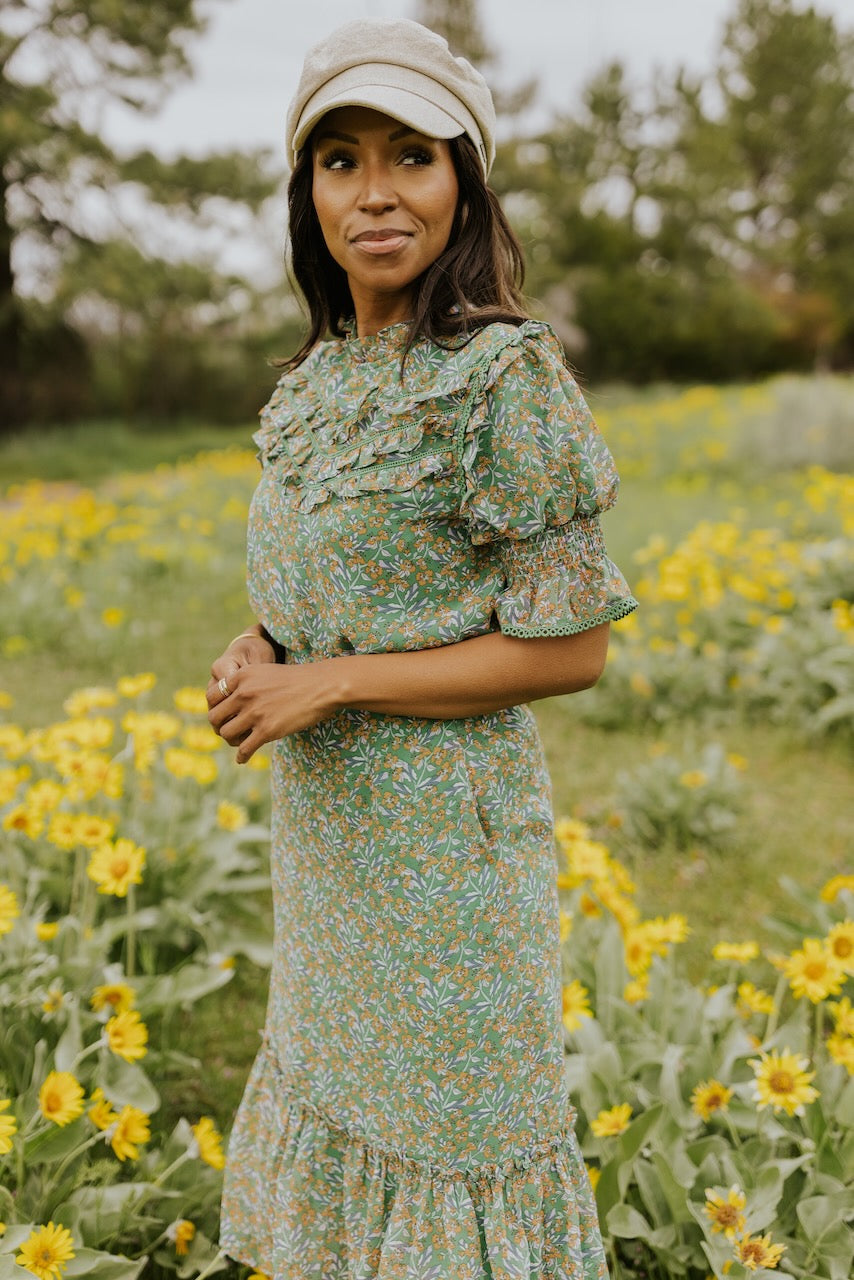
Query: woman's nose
{"points": [[377, 192]]}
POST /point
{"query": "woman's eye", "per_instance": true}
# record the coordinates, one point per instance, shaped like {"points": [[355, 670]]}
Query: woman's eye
{"points": [[336, 160], [416, 156]]}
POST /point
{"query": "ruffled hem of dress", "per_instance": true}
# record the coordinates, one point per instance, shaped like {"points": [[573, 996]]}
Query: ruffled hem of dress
{"points": [[307, 1198]]}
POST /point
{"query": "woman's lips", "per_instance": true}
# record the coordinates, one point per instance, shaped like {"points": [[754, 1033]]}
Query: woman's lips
{"points": [[380, 242]]}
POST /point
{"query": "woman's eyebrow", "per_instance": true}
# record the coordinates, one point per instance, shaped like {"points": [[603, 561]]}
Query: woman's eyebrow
{"points": [[340, 137], [347, 137]]}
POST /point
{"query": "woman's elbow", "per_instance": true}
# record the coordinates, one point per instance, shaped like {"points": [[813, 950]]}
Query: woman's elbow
{"points": [[587, 653]]}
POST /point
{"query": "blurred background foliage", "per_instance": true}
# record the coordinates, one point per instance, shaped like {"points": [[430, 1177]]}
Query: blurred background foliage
{"points": [[693, 228]]}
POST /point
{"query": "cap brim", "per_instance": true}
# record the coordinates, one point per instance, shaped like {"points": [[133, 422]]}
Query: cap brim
{"points": [[400, 104]]}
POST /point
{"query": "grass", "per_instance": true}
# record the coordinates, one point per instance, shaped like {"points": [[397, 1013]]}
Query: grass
{"points": [[794, 822]]}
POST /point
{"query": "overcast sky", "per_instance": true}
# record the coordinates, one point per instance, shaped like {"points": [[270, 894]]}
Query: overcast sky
{"points": [[247, 64]]}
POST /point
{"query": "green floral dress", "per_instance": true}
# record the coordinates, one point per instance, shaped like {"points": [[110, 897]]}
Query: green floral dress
{"points": [[406, 1117]]}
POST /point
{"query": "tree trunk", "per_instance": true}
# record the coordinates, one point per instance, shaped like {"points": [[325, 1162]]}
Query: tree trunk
{"points": [[13, 388]]}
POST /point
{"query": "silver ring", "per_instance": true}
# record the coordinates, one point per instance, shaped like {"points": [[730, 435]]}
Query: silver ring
{"points": [[223, 687]]}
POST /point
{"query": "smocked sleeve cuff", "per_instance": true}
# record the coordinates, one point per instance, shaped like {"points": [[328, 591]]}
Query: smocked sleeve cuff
{"points": [[560, 582]]}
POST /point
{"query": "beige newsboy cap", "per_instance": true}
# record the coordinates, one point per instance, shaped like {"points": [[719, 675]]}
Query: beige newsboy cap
{"points": [[398, 67]]}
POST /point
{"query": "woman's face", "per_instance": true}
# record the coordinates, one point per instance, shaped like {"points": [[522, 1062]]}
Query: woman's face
{"points": [[385, 196]]}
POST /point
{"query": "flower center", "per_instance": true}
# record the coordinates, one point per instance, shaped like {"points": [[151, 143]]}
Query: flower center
{"points": [[120, 867], [843, 947], [815, 969], [727, 1215], [781, 1082]]}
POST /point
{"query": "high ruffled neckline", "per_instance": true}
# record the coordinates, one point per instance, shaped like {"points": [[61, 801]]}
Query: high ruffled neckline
{"points": [[391, 339]]}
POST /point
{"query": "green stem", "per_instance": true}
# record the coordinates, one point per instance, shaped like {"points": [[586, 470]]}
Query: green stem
{"points": [[160, 1179], [818, 1030], [72, 1155], [130, 937], [218, 1257], [76, 884], [733, 1132], [773, 1018]]}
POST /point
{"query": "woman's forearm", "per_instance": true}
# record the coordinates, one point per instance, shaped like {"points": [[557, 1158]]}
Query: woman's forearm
{"points": [[470, 678]]}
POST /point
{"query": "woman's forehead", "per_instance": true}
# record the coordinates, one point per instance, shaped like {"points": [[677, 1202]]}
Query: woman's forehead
{"points": [[358, 121]]}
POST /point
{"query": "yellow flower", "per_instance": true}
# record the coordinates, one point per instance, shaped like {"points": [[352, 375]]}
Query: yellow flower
{"points": [[594, 1174], [115, 867], [569, 829], [82, 701], [752, 999], [841, 1050], [130, 1130], [181, 1234], [638, 952], [587, 903], [61, 1098], [8, 1127], [193, 701], [843, 1016], [813, 971], [44, 796], [641, 684], [24, 818], [133, 686], [610, 1124], [201, 737], [575, 1005], [190, 764], [636, 991], [209, 1143], [118, 997], [782, 1082], [693, 778], [840, 944], [758, 1251], [662, 931], [231, 817], [726, 1215], [9, 909], [127, 1035], [55, 998], [737, 952], [45, 1251], [565, 924], [112, 617], [101, 1112], [835, 886], [708, 1097], [736, 761]]}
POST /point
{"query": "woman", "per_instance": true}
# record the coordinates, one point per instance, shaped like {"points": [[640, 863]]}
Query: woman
{"points": [[424, 560]]}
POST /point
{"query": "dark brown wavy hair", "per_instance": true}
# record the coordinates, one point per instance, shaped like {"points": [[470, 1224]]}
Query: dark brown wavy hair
{"points": [[476, 281]]}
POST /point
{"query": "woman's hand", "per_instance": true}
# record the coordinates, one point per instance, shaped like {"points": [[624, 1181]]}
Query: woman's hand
{"points": [[268, 701]]}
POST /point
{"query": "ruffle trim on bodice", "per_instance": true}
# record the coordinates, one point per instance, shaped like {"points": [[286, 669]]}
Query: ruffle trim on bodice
{"points": [[560, 582], [334, 1203]]}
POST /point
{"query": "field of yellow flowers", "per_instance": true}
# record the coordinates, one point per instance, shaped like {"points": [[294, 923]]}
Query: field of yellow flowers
{"points": [[710, 1053]]}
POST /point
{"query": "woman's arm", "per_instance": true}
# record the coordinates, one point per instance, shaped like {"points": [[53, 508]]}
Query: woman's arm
{"points": [[473, 677]]}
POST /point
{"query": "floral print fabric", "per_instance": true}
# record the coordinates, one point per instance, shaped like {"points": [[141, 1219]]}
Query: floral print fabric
{"points": [[406, 1117]]}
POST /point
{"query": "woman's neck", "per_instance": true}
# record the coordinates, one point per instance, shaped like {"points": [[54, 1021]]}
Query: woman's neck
{"points": [[378, 310]]}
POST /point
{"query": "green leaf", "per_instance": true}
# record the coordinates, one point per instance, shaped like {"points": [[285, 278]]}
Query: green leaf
{"points": [[55, 1143], [844, 1113], [104, 1266], [817, 1214], [640, 1128], [125, 1083], [627, 1223], [70, 1042]]}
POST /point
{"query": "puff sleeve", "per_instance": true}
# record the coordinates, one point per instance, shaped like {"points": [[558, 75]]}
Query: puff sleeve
{"points": [[536, 475]]}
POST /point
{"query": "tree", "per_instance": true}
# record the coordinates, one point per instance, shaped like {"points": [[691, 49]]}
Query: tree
{"points": [[62, 62], [459, 22]]}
